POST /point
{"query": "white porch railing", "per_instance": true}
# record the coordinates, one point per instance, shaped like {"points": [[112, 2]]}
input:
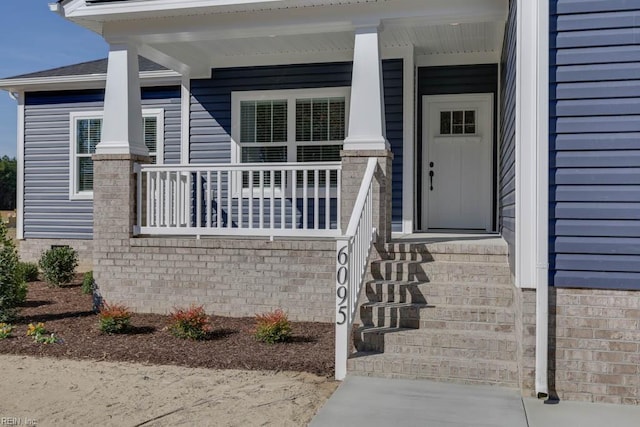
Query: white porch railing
{"points": [[352, 256], [258, 199]]}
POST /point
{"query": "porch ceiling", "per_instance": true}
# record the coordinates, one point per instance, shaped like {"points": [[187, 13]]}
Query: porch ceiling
{"points": [[427, 39], [197, 42]]}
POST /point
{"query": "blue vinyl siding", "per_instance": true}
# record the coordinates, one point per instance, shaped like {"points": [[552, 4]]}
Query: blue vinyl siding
{"points": [[595, 144], [48, 212], [507, 164], [210, 139], [451, 80]]}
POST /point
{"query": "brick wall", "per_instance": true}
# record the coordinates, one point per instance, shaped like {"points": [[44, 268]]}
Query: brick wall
{"points": [[31, 249], [594, 344], [230, 277]]}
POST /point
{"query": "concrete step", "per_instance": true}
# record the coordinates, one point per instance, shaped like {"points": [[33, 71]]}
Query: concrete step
{"points": [[458, 370], [386, 315], [441, 271], [464, 293]]}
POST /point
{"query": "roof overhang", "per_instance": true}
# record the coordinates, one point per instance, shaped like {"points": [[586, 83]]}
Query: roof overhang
{"points": [[87, 81], [194, 36]]}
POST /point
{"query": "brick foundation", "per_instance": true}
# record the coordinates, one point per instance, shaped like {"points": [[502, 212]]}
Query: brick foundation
{"points": [[31, 249], [594, 352]]}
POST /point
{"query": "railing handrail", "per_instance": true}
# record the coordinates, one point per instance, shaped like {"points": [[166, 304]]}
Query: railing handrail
{"points": [[244, 167], [358, 207], [352, 258]]}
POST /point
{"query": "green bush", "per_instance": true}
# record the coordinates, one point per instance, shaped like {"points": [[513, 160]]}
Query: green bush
{"points": [[28, 270], [114, 318], [11, 283], [59, 265], [273, 327], [87, 283], [192, 323]]}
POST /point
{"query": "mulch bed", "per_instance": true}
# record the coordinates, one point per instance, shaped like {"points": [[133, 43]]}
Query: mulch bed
{"points": [[68, 313]]}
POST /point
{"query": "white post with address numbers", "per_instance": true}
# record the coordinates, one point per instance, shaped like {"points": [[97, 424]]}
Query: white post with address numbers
{"points": [[342, 306]]}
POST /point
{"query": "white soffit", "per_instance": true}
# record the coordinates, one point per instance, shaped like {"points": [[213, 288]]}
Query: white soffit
{"points": [[427, 40]]}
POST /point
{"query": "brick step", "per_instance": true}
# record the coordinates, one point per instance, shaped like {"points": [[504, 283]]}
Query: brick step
{"points": [[489, 246], [440, 271], [371, 338], [464, 371], [453, 344], [464, 313], [490, 294], [395, 315], [450, 343], [430, 257]]}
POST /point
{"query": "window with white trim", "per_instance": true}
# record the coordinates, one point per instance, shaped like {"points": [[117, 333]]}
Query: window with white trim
{"points": [[307, 125], [86, 128]]}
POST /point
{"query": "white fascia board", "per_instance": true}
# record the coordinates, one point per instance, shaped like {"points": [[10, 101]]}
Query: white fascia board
{"points": [[91, 81], [158, 8]]}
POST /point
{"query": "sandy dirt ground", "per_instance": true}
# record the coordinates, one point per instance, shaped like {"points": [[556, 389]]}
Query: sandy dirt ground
{"points": [[53, 392]]}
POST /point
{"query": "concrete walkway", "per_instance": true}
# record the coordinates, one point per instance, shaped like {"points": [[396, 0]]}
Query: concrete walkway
{"points": [[363, 401]]}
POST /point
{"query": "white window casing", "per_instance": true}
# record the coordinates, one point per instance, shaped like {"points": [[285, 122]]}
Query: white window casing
{"points": [[74, 120]]}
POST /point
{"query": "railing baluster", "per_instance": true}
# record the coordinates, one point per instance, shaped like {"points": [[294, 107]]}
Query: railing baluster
{"points": [[149, 198], [179, 204], [284, 184], [240, 201], [272, 212], [198, 199], [219, 199], [261, 201], [167, 200], [305, 199], [316, 199], [229, 199], [327, 199], [209, 206], [294, 202], [250, 225]]}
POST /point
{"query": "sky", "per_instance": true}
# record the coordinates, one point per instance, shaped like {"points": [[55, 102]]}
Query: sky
{"points": [[32, 38]]}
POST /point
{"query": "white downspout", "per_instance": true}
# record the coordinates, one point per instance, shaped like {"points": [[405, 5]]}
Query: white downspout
{"points": [[542, 202]]}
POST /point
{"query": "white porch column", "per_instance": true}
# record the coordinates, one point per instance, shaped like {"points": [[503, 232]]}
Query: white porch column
{"points": [[122, 120], [366, 112]]}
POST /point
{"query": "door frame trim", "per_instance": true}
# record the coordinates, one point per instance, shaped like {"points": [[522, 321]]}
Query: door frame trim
{"points": [[471, 97]]}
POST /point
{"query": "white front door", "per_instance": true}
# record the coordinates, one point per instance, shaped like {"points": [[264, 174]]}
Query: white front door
{"points": [[456, 162]]}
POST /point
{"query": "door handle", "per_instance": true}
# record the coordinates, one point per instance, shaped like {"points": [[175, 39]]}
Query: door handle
{"points": [[431, 173]]}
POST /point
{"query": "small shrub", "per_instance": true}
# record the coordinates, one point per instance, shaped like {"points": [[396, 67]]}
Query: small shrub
{"points": [[87, 283], [273, 327], [40, 334], [192, 323], [5, 330], [11, 283], [114, 318], [28, 271], [59, 265]]}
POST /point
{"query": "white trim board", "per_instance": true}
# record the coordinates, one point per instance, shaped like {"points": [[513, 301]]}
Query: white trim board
{"points": [[20, 169]]}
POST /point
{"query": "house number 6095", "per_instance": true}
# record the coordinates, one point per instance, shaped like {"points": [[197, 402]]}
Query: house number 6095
{"points": [[341, 279]]}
